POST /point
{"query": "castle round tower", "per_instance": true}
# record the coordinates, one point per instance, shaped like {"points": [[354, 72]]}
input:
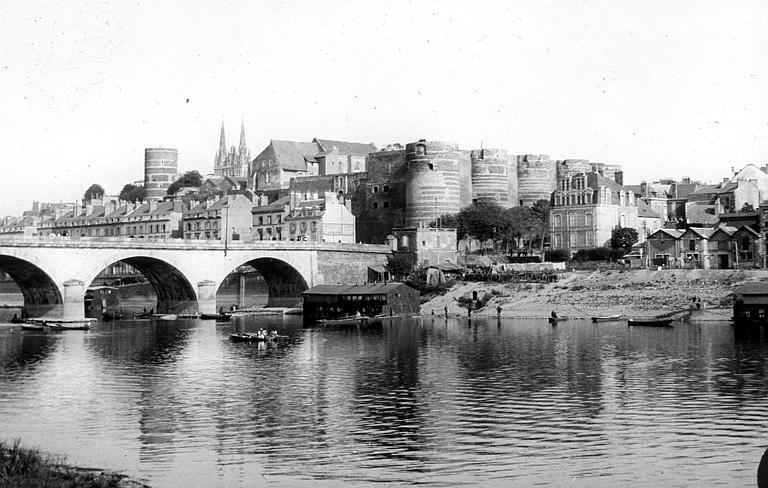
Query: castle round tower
{"points": [[494, 177], [160, 170], [433, 181], [536, 178], [570, 167]]}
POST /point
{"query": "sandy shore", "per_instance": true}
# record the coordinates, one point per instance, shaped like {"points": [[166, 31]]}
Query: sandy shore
{"points": [[590, 293]]}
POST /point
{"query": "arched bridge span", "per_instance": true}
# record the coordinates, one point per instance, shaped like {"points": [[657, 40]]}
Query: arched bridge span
{"points": [[54, 272]]}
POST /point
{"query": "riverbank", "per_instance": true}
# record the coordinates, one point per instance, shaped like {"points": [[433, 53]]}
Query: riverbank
{"points": [[590, 293], [28, 468]]}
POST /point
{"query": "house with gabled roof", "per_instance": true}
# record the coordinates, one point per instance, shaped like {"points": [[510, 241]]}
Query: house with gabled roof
{"points": [[341, 157], [722, 247], [280, 161], [227, 218], [665, 247], [586, 207]]}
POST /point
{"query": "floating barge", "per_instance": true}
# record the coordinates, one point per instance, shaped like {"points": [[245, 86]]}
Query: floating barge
{"points": [[750, 305], [334, 302]]}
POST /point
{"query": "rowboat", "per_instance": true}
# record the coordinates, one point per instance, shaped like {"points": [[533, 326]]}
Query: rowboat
{"points": [[651, 321], [608, 318], [247, 337], [167, 317], [215, 316], [555, 320], [37, 327], [344, 320], [84, 325]]}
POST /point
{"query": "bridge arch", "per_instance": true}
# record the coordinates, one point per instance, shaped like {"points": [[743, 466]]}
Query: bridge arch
{"points": [[41, 293], [284, 282], [175, 294]]}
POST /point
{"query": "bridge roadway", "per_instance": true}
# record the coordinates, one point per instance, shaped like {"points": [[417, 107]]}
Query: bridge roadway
{"points": [[53, 273]]}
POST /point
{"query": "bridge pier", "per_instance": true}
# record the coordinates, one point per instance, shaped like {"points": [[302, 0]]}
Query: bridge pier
{"points": [[206, 296], [74, 296]]}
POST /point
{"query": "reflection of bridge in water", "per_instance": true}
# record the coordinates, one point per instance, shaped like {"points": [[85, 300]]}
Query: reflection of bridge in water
{"points": [[54, 272]]}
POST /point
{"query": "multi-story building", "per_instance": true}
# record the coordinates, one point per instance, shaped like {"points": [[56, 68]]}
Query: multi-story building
{"points": [[585, 210], [269, 219], [320, 218], [430, 246], [227, 218]]}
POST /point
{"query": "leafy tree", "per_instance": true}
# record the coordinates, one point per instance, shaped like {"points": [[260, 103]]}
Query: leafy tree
{"points": [[400, 264], [95, 191], [132, 193], [190, 178], [557, 255], [622, 238], [746, 208]]}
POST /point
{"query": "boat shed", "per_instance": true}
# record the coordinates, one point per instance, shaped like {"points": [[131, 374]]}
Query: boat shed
{"points": [[750, 304], [370, 299]]}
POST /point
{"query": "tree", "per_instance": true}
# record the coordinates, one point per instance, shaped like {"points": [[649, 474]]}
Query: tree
{"points": [[132, 193], [400, 264], [622, 238], [190, 178], [95, 191], [746, 208]]}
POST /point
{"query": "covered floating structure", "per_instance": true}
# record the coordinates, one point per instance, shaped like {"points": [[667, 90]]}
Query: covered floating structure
{"points": [[327, 302], [750, 304]]}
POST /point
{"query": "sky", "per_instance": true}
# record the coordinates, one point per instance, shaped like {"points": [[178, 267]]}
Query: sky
{"points": [[667, 89]]}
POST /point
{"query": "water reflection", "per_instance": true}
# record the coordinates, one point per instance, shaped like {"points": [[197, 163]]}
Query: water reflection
{"points": [[433, 402]]}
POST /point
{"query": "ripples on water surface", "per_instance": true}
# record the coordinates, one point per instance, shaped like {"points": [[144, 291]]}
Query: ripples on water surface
{"points": [[516, 403]]}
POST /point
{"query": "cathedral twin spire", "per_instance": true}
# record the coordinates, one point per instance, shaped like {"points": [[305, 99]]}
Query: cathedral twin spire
{"points": [[235, 161]]}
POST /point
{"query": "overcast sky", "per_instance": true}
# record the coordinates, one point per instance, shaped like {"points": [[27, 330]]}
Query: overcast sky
{"points": [[666, 89]]}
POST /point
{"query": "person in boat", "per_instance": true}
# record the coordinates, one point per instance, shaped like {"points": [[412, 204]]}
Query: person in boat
{"points": [[358, 314], [553, 314], [498, 311]]}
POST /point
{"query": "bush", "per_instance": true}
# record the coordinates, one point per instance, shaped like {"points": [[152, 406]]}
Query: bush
{"points": [[557, 255]]}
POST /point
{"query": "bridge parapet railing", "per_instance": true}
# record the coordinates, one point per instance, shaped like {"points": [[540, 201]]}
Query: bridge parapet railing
{"points": [[199, 244]]}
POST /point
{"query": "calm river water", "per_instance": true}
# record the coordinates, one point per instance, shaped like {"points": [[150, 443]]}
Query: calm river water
{"points": [[429, 402]]}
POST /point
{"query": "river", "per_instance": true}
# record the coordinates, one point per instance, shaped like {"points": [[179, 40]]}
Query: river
{"points": [[429, 402]]}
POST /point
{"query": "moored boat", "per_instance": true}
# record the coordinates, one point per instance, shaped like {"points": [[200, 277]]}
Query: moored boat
{"points": [[215, 316], [555, 320], [607, 318], [169, 316], [37, 327], [344, 320], [247, 337], [651, 321]]}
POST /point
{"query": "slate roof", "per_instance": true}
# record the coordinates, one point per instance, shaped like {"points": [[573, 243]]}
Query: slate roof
{"points": [[346, 148], [276, 206], [645, 211], [753, 288], [699, 213], [366, 289], [291, 155]]}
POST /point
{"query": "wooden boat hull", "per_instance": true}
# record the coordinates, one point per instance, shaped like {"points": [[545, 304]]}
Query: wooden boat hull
{"points": [[215, 316], [247, 337], [650, 322], [608, 318], [38, 327], [556, 320], [69, 326], [344, 321]]}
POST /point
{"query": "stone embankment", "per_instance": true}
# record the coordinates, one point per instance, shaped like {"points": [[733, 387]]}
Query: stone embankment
{"points": [[590, 293]]}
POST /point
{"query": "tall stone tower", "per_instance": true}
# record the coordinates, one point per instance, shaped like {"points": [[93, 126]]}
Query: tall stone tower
{"points": [[433, 181], [233, 162], [161, 165], [494, 177]]}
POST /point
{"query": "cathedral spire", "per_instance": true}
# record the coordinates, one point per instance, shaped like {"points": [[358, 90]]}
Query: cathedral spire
{"points": [[222, 141], [242, 137]]}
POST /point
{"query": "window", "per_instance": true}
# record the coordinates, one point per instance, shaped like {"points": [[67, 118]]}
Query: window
{"points": [[572, 239], [386, 188], [375, 204], [385, 204], [558, 221], [261, 220], [375, 189], [588, 219]]}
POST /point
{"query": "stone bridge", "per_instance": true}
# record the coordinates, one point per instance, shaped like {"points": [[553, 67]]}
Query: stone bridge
{"points": [[53, 273]]}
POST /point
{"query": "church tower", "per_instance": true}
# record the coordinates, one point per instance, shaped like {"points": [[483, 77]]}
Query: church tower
{"points": [[233, 162], [221, 155]]}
